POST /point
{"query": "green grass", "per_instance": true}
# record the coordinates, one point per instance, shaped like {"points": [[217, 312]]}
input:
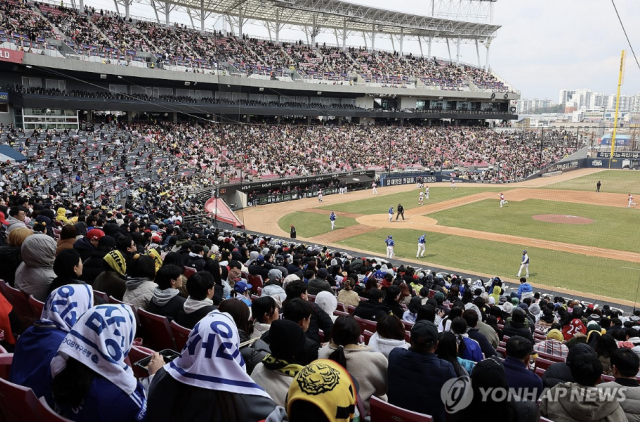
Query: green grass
{"points": [[309, 224], [591, 275], [610, 227], [613, 181], [380, 204]]}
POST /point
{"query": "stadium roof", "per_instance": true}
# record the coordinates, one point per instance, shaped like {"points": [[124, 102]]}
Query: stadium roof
{"points": [[336, 15]]}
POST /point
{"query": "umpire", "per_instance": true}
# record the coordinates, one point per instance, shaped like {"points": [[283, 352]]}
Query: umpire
{"points": [[400, 211]]}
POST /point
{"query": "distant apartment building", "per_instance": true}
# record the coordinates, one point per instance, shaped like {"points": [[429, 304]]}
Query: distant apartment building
{"points": [[526, 106]]}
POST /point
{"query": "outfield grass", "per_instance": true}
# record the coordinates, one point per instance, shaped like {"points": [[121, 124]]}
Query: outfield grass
{"points": [[611, 227], [613, 181], [380, 204], [309, 224], [591, 275]]}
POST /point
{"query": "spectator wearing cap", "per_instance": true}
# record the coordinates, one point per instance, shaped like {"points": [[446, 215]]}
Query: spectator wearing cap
{"points": [[552, 345], [16, 218], [372, 309], [625, 365], [86, 245], [242, 291], [319, 283], [258, 268], [67, 238], [516, 368], [277, 370], [166, 298], [581, 400], [35, 273], [273, 287], [517, 325], [416, 375], [94, 264]]}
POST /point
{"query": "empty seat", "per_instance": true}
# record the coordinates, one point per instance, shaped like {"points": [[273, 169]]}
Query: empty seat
{"points": [[381, 411], [157, 331]]}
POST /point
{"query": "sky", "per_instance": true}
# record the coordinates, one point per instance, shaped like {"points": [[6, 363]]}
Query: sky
{"points": [[543, 45]]}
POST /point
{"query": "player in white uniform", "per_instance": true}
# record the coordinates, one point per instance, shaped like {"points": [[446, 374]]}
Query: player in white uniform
{"points": [[390, 244], [524, 264], [320, 195], [421, 198], [502, 200], [421, 244], [374, 190], [426, 192], [631, 202], [453, 183]]}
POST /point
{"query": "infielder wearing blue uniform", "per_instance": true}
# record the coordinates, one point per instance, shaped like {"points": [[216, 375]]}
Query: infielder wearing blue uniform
{"points": [[422, 240], [332, 217], [390, 213], [390, 244]]}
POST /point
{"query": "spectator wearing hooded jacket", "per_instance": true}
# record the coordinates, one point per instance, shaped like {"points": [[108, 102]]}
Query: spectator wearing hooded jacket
{"points": [[390, 333], [319, 318], [626, 365], [196, 258], [319, 283], [10, 255], [112, 280], [35, 273], [201, 288], [516, 326], [16, 218], [524, 290], [166, 298], [372, 309], [88, 244], [273, 287], [93, 265], [140, 284]]}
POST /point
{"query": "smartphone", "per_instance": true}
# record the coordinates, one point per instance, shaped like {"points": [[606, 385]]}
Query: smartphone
{"points": [[167, 354]]}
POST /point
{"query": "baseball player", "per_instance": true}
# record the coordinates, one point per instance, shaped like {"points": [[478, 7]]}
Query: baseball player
{"points": [[426, 192], [631, 202], [421, 198], [374, 190], [524, 264], [320, 195], [421, 244], [453, 183], [332, 218], [390, 213], [390, 244], [502, 200]]}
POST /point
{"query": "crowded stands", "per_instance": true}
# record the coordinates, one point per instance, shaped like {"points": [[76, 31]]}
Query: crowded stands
{"points": [[192, 323], [108, 36]]}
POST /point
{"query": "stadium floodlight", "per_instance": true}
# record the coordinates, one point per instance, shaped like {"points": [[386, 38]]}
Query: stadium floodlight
{"points": [[319, 92], [261, 89], [187, 83], [103, 76]]}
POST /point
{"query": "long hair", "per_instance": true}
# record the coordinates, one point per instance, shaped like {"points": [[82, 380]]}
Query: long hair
{"points": [[345, 331], [240, 313], [448, 350], [72, 384]]}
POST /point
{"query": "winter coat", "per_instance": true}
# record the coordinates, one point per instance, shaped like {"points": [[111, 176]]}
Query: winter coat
{"points": [[139, 292], [517, 329], [35, 273], [317, 285], [348, 297], [84, 248], [369, 368], [252, 353], [489, 333], [14, 223], [631, 403], [275, 291], [485, 346], [370, 310], [308, 354], [111, 283], [93, 266], [196, 261], [10, 259], [565, 408], [189, 320], [65, 244], [520, 378], [555, 374], [319, 321], [276, 383], [386, 345], [167, 302], [201, 405], [415, 381]]}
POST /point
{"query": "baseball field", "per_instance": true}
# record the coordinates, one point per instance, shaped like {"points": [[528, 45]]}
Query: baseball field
{"points": [[578, 240]]}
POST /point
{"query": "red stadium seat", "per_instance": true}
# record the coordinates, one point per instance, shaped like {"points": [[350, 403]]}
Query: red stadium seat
{"points": [[340, 313], [189, 271], [20, 302], [540, 372], [138, 353], [342, 307], [5, 364], [606, 378], [381, 411], [552, 358], [255, 281], [367, 336], [102, 295], [36, 307], [351, 309], [157, 331], [543, 363], [501, 350], [366, 324], [180, 335], [18, 403], [48, 415]]}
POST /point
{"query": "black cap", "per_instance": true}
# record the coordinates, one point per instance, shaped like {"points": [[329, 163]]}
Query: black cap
{"points": [[424, 332]]}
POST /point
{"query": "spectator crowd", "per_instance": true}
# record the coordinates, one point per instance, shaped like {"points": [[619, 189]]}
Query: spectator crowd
{"points": [[287, 331]]}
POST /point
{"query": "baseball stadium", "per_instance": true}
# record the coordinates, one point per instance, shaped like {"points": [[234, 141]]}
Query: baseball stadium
{"points": [[182, 182]]}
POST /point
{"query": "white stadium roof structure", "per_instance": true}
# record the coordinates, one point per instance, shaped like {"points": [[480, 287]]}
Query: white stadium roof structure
{"points": [[340, 18]]}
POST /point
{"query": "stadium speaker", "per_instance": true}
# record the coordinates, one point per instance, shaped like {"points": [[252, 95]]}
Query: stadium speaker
{"points": [[506, 96], [513, 109]]}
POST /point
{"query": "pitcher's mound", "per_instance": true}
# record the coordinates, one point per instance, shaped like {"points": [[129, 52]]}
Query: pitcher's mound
{"points": [[562, 219]]}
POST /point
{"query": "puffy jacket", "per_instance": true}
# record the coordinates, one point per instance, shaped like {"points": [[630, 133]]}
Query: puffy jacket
{"points": [[10, 259], [370, 310], [93, 266], [631, 403], [111, 283], [517, 329], [14, 223], [415, 381], [35, 273], [317, 285], [555, 374], [196, 261], [565, 407], [252, 353], [139, 292], [525, 290], [84, 248], [65, 244]]}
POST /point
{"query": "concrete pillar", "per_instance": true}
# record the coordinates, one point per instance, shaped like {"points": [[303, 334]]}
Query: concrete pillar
{"points": [[486, 62], [248, 118], [278, 25], [429, 51], [344, 33], [309, 120], [174, 117], [401, 39], [314, 30], [240, 21], [458, 52], [373, 37], [202, 16], [126, 9], [420, 44], [278, 119], [449, 50], [167, 12], [478, 53]]}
